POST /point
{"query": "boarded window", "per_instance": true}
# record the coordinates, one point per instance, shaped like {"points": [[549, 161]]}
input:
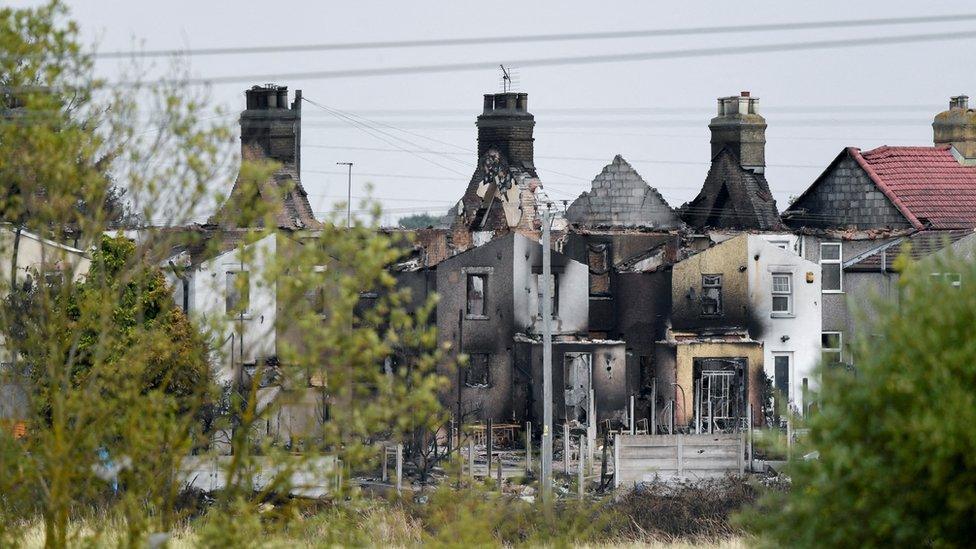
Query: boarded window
{"points": [[477, 295], [830, 265], [599, 263], [711, 299], [237, 298], [782, 293], [477, 373]]}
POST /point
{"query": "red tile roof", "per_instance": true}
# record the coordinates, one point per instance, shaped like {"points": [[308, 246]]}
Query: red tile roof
{"points": [[927, 184]]}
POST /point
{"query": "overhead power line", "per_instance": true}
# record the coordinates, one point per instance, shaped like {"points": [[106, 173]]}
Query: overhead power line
{"points": [[562, 37], [717, 51]]}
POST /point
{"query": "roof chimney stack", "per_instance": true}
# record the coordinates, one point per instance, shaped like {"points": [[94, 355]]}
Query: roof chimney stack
{"points": [[740, 128], [957, 127], [270, 129], [506, 125]]}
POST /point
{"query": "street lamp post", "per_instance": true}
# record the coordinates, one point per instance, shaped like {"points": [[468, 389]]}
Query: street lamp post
{"points": [[349, 201]]}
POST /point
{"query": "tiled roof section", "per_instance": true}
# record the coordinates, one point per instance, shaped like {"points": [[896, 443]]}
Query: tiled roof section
{"points": [[732, 197], [620, 197], [919, 245], [927, 184], [283, 192]]}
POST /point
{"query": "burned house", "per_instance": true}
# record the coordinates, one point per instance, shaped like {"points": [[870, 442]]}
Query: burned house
{"points": [[866, 204], [743, 308], [490, 310]]}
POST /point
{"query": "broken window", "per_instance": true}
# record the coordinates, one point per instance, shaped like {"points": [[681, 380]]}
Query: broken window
{"points": [[719, 393], [599, 263], [478, 369], [782, 293], [553, 293], [831, 348], [477, 295], [830, 265], [237, 297], [711, 298]]}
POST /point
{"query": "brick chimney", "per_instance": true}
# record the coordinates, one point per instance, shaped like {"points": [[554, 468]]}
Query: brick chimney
{"points": [[739, 127], [506, 125], [270, 128], [957, 127]]}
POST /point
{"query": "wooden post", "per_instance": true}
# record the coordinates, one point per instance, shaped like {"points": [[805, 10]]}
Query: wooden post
{"points": [[633, 422], [471, 459], [566, 448], [603, 464], [528, 447], [488, 444], [450, 436], [749, 447], [499, 472], [616, 461], [582, 479], [654, 407], [789, 436], [399, 467], [386, 463], [591, 431]]}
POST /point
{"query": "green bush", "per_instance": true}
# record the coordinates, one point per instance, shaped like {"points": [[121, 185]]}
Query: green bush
{"points": [[895, 436]]}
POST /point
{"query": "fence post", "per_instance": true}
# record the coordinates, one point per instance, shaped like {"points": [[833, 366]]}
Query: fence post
{"points": [[749, 447], [789, 436], [499, 472], [566, 448], [616, 461], [633, 424], [399, 467], [528, 447], [386, 462], [681, 457], [488, 443], [471, 459], [654, 407], [582, 479]]}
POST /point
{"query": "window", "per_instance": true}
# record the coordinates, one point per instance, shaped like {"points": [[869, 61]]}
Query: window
{"points": [[830, 266], [477, 295], [951, 279], [781, 244], [553, 293], [315, 295], [238, 292], [711, 299], [782, 293], [831, 348], [598, 260], [478, 368]]}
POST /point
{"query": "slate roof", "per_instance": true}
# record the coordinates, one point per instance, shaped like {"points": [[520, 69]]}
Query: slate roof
{"points": [[284, 194], [732, 197], [927, 184], [619, 197], [920, 244]]}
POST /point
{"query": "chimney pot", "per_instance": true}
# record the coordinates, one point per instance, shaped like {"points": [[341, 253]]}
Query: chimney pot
{"points": [[959, 102], [744, 94]]}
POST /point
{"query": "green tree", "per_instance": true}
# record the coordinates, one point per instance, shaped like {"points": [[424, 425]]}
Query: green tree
{"points": [[418, 221], [897, 451]]}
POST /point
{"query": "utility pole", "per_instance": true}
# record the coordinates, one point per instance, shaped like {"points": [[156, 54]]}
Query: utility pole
{"points": [[349, 201], [546, 458]]}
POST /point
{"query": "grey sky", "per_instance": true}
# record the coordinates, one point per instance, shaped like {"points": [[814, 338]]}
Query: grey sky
{"points": [[571, 103]]}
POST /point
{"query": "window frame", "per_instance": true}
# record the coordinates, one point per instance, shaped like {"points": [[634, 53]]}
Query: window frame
{"points": [[483, 273], [235, 271], [839, 349], [788, 294], [719, 309], [840, 267]]}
